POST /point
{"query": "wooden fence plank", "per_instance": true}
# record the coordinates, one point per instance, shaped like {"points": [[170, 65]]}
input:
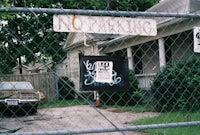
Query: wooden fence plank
{"points": [[45, 82]]}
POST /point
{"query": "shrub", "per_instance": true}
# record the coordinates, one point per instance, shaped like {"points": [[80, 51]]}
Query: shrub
{"points": [[137, 93], [130, 97], [65, 88], [177, 86]]}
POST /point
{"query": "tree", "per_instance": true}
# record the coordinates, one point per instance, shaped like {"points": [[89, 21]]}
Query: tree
{"points": [[127, 5], [4, 3], [26, 34], [4, 67]]}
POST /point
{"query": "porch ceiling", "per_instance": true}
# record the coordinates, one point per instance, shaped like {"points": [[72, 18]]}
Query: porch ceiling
{"points": [[168, 23], [129, 41], [166, 6]]}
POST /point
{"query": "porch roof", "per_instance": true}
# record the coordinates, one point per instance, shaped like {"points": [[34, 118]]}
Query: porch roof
{"points": [[166, 6], [174, 6]]}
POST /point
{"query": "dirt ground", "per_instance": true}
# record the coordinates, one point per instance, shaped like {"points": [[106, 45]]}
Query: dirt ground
{"points": [[77, 118]]}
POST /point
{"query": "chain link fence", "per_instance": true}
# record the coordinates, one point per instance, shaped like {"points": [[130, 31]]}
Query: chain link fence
{"points": [[96, 78]]}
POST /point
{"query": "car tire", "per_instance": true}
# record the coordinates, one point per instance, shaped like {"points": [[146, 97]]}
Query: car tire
{"points": [[32, 109]]}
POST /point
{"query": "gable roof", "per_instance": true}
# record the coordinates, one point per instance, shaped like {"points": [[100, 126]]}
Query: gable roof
{"points": [[166, 6], [174, 6], [171, 6], [76, 39]]}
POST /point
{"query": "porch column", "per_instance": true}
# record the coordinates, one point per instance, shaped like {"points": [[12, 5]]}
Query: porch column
{"points": [[162, 59], [130, 58]]}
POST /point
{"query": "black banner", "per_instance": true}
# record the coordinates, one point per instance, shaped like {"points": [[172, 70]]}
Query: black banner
{"points": [[104, 73]]}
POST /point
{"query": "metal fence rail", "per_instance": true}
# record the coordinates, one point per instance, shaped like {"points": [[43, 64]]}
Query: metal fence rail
{"points": [[151, 85], [121, 129], [99, 12]]}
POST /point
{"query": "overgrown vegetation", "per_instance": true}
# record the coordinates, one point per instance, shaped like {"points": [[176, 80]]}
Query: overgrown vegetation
{"points": [[34, 38], [177, 87], [66, 89], [63, 103], [172, 118], [132, 96]]}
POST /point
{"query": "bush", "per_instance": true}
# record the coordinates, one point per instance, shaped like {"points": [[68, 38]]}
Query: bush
{"points": [[132, 96], [66, 89], [177, 87]]}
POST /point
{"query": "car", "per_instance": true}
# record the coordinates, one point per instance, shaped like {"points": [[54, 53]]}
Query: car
{"points": [[18, 96]]}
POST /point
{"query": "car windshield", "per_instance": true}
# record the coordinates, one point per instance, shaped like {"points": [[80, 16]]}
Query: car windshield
{"points": [[15, 85]]}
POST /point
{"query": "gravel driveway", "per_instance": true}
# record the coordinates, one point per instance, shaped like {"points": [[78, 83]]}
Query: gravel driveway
{"points": [[73, 118]]}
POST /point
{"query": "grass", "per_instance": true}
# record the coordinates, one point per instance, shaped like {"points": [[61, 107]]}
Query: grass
{"points": [[136, 108], [63, 103], [163, 118], [172, 118]]}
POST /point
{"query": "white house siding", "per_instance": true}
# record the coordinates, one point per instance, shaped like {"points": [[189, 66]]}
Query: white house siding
{"points": [[61, 68], [73, 67]]}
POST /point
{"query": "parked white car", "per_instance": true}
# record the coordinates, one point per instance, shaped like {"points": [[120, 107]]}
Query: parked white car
{"points": [[15, 96]]}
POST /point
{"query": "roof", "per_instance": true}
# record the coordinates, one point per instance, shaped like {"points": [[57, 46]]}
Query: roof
{"points": [[15, 85], [73, 40], [166, 6], [39, 66], [174, 6]]}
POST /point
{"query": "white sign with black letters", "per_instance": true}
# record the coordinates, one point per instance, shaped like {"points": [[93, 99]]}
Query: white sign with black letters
{"points": [[105, 25], [104, 71], [196, 35]]}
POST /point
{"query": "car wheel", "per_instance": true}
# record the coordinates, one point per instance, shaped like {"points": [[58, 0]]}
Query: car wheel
{"points": [[3, 111], [33, 109]]}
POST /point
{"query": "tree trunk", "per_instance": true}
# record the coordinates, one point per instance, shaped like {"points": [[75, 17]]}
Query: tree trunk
{"points": [[20, 65]]}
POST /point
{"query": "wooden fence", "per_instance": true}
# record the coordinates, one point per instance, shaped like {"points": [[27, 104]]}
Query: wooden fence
{"points": [[45, 82]]}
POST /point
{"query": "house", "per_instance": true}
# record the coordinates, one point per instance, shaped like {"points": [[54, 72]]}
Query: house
{"points": [[146, 55], [79, 44], [24, 69], [33, 68]]}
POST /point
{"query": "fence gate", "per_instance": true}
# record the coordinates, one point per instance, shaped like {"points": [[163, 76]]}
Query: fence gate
{"points": [[158, 61]]}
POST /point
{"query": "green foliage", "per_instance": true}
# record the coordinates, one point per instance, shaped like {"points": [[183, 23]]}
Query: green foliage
{"points": [[32, 35], [133, 81], [34, 32], [137, 93], [171, 118], [4, 3], [177, 87], [66, 89], [132, 96], [4, 60], [122, 5], [130, 5], [63, 103]]}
